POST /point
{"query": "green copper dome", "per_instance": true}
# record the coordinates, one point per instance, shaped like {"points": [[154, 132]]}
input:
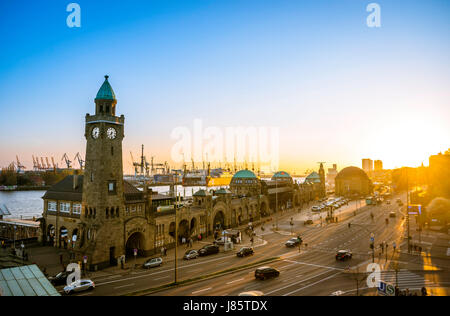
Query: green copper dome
{"points": [[313, 178], [244, 174], [281, 174], [106, 92]]}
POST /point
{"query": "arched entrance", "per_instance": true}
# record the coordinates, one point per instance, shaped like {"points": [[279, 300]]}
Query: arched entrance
{"points": [[183, 229], [233, 218], [135, 241], [63, 237], [219, 220], [193, 229]]}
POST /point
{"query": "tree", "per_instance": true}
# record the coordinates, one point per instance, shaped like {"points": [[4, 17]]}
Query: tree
{"points": [[439, 208]]}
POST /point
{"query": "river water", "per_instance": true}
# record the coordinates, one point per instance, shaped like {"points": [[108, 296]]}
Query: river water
{"points": [[29, 204]]}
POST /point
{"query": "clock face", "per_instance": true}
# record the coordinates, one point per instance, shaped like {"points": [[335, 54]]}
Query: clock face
{"points": [[111, 133], [95, 132]]}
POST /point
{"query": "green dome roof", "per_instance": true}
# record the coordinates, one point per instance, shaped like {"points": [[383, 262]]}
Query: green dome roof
{"points": [[281, 174], [106, 92], [313, 177], [244, 174]]}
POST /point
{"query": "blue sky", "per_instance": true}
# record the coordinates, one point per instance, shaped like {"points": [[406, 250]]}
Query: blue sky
{"points": [[338, 90]]}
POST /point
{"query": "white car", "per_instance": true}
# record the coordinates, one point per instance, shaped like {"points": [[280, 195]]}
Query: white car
{"points": [[152, 263], [79, 286]]}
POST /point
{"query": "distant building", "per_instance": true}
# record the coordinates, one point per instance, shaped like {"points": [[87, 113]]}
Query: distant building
{"points": [[439, 173], [378, 165], [367, 165], [331, 175], [352, 181]]}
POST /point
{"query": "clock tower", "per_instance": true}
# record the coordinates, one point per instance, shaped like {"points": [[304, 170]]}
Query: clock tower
{"points": [[103, 186]]}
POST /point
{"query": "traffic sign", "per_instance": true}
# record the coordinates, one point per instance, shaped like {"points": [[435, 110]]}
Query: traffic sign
{"points": [[385, 288], [85, 259], [135, 252]]}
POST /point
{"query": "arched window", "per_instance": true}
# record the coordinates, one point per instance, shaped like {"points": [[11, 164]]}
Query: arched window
{"points": [[107, 213], [117, 211]]}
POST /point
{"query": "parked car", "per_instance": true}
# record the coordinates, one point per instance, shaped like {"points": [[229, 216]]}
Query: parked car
{"points": [[60, 278], [292, 242], [79, 286], [190, 254], [315, 208], [245, 251], [392, 214], [251, 293], [152, 263], [208, 250], [263, 273], [343, 255]]}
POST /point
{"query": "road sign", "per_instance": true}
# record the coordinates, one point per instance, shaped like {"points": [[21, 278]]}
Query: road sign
{"points": [[85, 259], [372, 239], [386, 289], [135, 252]]}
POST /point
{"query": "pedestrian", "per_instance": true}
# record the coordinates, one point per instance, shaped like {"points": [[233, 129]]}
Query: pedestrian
{"points": [[165, 251], [162, 251], [251, 240], [199, 238]]}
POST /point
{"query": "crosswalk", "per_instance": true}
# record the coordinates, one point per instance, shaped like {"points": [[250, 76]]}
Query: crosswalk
{"points": [[406, 279]]}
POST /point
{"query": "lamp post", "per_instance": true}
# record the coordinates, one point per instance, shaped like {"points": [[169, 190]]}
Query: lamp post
{"points": [[276, 201], [176, 237]]}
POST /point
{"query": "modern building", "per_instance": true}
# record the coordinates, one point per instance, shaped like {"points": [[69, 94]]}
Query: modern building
{"points": [[352, 181], [378, 165], [367, 165]]}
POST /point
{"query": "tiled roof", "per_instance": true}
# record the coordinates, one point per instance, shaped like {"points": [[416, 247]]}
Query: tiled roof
{"points": [[106, 92]]}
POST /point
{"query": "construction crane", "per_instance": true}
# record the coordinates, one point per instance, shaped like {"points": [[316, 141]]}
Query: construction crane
{"points": [[43, 163], [48, 164], [20, 167], [68, 162], [53, 163], [135, 165], [80, 161]]}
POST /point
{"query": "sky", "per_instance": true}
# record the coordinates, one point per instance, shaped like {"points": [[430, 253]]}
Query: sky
{"points": [[335, 89]]}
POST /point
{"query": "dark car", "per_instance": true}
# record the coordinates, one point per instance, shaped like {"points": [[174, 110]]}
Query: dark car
{"points": [[293, 242], [266, 272], [343, 255], [245, 251], [60, 278], [208, 250]]}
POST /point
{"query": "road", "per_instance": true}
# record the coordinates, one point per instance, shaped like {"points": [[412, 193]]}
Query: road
{"points": [[312, 270]]}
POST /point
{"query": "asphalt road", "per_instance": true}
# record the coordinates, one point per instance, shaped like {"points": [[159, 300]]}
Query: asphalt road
{"points": [[311, 271]]}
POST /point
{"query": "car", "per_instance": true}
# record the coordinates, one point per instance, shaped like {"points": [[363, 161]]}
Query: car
{"points": [[153, 263], [245, 251], [208, 250], [60, 278], [79, 286], [388, 202], [190, 254], [308, 222], [343, 255], [251, 293], [292, 242], [266, 272], [222, 240], [315, 208], [392, 214]]}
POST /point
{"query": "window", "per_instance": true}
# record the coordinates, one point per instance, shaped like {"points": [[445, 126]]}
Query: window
{"points": [[140, 208], [112, 187], [77, 208], [133, 208], [64, 207], [51, 206]]}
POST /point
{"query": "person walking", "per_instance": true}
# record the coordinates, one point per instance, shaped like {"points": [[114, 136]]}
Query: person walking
{"points": [[162, 251]]}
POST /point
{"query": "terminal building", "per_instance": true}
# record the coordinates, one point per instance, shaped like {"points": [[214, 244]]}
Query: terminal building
{"points": [[352, 181], [101, 216]]}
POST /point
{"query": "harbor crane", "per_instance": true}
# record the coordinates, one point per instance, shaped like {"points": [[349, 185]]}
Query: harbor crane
{"points": [[80, 160], [68, 162], [55, 166], [20, 167], [135, 165]]}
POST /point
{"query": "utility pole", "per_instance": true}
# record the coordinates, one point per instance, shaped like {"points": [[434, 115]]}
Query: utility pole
{"points": [[407, 209], [276, 201], [176, 234]]}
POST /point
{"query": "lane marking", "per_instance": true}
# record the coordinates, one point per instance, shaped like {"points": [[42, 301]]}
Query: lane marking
{"points": [[203, 290], [127, 285], [231, 282]]}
